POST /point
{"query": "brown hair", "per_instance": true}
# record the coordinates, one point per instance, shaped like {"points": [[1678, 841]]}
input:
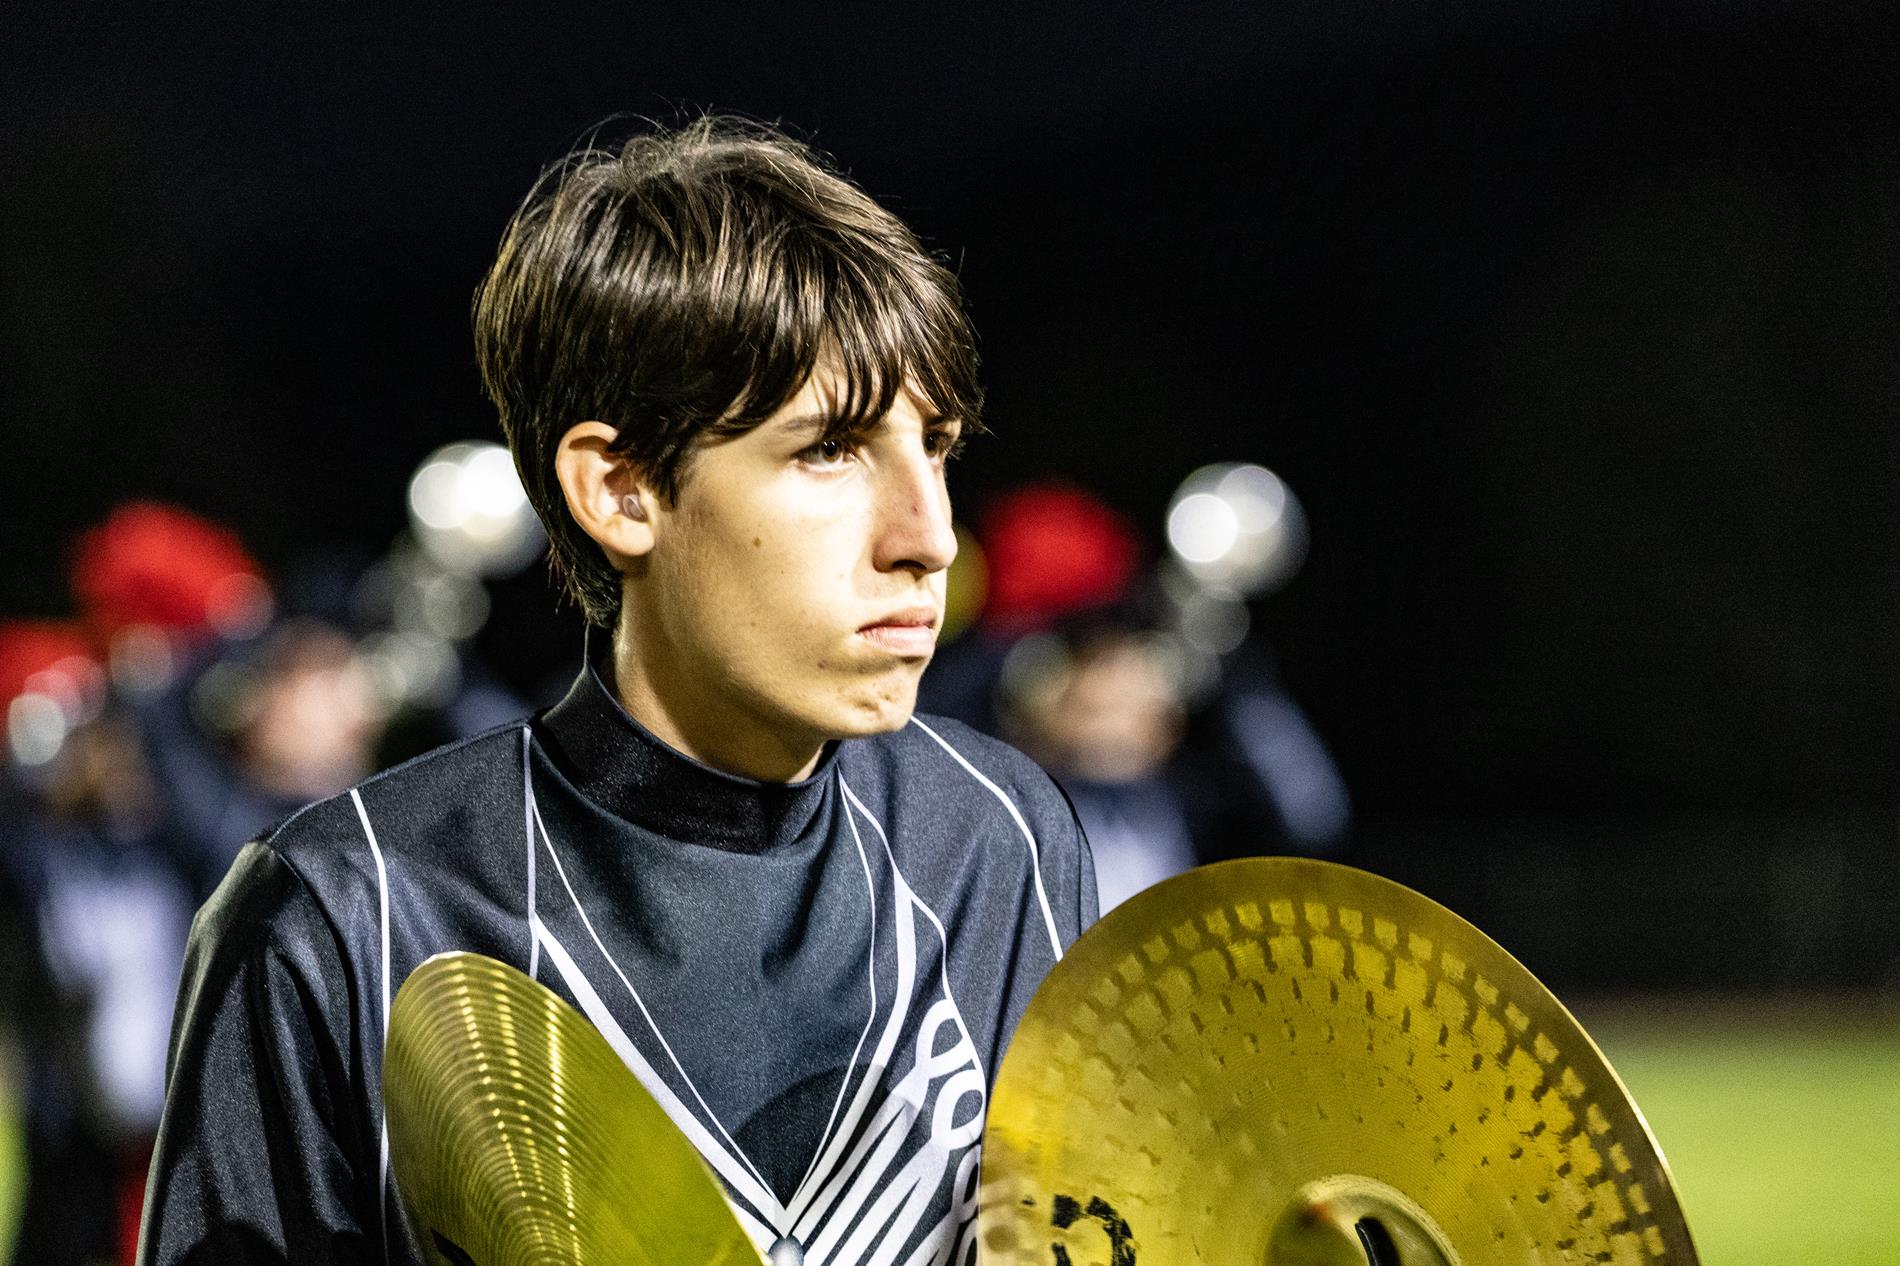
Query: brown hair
{"points": [[683, 287]]}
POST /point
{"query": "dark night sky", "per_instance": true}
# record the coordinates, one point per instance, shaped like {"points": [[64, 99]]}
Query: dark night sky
{"points": [[1574, 326]]}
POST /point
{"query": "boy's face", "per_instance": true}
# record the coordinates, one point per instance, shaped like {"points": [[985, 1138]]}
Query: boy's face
{"points": [[798, 585]]}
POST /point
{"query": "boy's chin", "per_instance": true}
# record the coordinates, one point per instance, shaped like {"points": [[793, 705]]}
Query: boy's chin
{"points": [[877, 712]]}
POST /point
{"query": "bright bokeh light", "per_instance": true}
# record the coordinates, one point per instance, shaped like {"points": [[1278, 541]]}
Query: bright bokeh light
{"points": [[1257, 496], [492, 490], [435, 495], [1202, 528], [470, 512], [1237, 527], [36, 728]]}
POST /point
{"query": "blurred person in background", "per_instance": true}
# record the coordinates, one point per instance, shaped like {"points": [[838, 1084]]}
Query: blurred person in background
{"points": [[1146, 691], [97, 909], [308, 726], [1046, 553], [1100, 707], [246, 712], [243, 742], [1061, 666]]}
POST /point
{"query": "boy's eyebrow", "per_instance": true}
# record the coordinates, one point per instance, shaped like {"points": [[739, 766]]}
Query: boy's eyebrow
{"points": [[816, 421], [827, 422]]}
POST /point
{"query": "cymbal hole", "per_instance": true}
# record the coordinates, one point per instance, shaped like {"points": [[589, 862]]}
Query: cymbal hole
{"points": [[1377, 1242]]}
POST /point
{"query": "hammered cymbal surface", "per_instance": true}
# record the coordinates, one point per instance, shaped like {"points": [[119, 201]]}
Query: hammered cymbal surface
{"points": [[1282, 1060], [518, 1138]]}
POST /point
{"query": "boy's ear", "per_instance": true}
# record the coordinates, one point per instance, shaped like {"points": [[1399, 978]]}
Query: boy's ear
{"points": [[597, 483]]}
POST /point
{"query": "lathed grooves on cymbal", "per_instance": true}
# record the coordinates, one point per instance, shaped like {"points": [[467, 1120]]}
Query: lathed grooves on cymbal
{"points": [[1281, 1060], [518, 1138]]}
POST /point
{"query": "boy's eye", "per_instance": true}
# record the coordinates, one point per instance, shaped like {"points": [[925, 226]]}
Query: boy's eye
{"points": [[826, 452], [944, 444]]}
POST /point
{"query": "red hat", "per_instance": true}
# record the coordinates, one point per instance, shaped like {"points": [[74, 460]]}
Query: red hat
{"points": [[1055, 550], [155, 564]]}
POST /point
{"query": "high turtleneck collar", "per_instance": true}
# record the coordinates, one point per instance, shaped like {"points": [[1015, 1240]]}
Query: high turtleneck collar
{"points": [[621, 766]]}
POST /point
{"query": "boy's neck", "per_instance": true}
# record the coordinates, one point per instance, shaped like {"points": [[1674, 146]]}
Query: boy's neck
{"points": [[695, 720]]}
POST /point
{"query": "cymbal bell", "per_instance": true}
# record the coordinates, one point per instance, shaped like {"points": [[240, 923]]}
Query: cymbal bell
{"points": [[518, 1136], [1291, 1062]]}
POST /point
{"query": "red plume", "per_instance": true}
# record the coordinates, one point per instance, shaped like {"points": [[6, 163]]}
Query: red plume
{"points": [[48, 658], [1055, 550], [158, 565]]}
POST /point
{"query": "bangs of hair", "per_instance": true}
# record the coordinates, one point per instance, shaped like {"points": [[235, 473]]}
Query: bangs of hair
{"points": [[881, 335], [755, 266]]}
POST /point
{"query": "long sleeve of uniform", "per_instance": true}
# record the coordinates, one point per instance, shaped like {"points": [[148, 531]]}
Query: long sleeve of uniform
{"points": [[263, 1155]]}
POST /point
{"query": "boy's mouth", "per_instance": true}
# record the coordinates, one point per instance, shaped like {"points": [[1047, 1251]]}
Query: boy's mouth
{"points": [[911, 632]]}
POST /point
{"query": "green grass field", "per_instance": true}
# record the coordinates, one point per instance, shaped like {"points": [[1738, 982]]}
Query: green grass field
{"points": [[1781, 1121], [12, 1169]]}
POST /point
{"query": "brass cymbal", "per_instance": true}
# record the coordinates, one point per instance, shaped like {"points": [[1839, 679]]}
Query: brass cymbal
{"points": [[1292, 1062], [517, 1136]]}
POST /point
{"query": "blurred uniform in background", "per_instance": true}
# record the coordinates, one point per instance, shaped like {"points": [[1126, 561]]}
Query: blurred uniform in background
{"points": [[1099, 708], [97, 909]]}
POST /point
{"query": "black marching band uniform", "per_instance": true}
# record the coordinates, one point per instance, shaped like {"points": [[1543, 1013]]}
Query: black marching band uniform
{"points": [[816, 980]]}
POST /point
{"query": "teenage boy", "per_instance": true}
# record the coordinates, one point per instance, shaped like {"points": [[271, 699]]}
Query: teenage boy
{"points": [[809, 919]]}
